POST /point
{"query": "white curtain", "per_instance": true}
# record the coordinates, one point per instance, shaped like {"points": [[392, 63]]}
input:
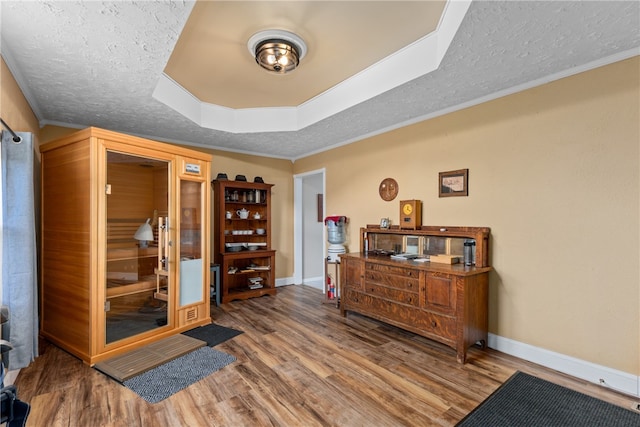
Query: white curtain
{"points": [[19, 259]]}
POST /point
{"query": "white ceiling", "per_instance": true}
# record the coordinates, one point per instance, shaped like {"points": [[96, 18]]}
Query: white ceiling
{"points": [[130, 67]]}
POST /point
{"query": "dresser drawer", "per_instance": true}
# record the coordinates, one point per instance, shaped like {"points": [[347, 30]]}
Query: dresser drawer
{"points": [[436, 324], [391, 280], [352, 300], [388, 269], [392, 277], [429, 324], [394, 295]]}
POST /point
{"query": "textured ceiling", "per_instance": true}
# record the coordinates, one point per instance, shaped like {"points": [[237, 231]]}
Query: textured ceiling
{"points": [[98, 64]]}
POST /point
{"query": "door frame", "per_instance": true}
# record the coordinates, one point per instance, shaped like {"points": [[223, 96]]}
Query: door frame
{"points": [[298, 237]]}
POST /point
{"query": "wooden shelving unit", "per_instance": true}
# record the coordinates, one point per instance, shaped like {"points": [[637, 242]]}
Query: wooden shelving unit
{"points": [[245, 256]]}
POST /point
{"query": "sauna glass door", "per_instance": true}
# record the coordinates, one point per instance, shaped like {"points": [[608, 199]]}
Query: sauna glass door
{"points": [[137, 276], [191, 243]]}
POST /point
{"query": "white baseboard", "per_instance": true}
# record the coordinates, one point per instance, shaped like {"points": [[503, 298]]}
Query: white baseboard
{"points": [[284, 281], [613, 379], [314, 282]]}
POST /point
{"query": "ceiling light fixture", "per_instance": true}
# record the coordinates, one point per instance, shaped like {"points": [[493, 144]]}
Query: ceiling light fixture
{"points": [[277, 51]]}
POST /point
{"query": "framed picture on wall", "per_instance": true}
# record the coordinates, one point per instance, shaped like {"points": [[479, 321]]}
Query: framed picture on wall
{"points": [[320, 205], [453, 183]]}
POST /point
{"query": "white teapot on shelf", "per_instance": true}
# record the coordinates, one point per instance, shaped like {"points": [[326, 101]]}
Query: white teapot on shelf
{"points": [[257, 215], [243, 213]]}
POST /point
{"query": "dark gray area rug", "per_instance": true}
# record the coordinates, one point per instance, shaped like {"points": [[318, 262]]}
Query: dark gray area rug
{"points": [[212, 334], [165, 380], [524, 400]]}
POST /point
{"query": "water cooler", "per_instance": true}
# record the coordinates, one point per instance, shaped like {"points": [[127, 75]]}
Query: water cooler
{"points": [[336, 236]]}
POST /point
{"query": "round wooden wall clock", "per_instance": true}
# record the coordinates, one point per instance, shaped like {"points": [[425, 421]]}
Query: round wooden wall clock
{"points": [[388, 189]]}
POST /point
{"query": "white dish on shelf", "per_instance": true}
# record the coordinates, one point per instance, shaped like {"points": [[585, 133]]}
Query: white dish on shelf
{"points": [[233, 247], [260, 230]]}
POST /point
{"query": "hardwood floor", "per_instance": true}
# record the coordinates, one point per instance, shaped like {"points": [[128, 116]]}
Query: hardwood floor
{"points": [[300, 363]]}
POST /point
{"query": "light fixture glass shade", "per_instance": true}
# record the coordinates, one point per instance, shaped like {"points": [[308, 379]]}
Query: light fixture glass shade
{"points": [[278, 56], [277, 51], [144, 233]]}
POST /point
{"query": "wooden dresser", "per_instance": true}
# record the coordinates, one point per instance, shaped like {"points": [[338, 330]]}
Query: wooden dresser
{"points": [[444, 302]]}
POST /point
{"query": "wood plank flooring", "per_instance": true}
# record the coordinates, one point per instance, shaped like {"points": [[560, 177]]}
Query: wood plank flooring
{"points": [[300, 363]]}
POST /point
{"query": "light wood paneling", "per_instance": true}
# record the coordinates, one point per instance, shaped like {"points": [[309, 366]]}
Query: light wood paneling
{"points": [[66, 248], [97, 188], [130, 196]]}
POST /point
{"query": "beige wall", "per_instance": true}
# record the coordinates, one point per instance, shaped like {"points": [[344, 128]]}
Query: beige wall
{"points": [[554, 171], [14, 109]]}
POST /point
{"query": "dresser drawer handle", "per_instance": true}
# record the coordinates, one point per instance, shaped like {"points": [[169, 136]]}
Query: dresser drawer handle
{"points": [[409, 300], [434, 323]]}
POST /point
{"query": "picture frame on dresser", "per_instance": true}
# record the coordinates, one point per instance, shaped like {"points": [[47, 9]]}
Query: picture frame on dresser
{"points": [[453, 183], [385, 223]]}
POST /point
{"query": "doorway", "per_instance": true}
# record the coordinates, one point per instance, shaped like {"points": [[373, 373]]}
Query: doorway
{"points": [[309, 240]]}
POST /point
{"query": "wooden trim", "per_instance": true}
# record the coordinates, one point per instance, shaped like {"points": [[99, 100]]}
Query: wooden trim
{"points": [[129, 140]]}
